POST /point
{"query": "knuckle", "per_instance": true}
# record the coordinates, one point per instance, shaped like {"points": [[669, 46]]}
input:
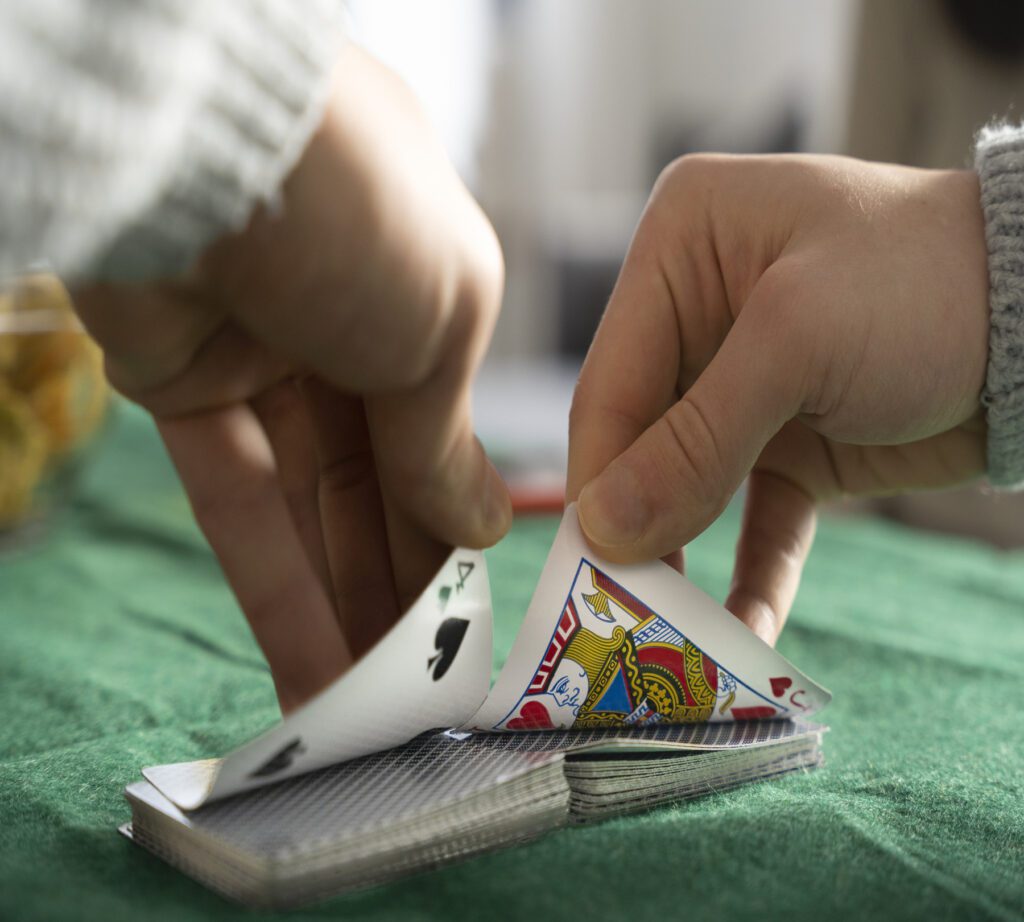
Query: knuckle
{"points": [[785, 326], [209, 510], [272, 604], [484, 283], [775, 544], [457, 325], [760, 613], [797, 335], [682, 204], [453, 309], [691, 172], [693, 461], [776, 292], [345, 474], [277, 402], [488, 262], [218, 510], [415, 351], [581, 408], [589, 407]]}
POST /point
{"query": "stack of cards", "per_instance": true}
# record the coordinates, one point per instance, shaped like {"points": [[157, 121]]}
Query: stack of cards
{"points": [[627, 687], [446, 796]]}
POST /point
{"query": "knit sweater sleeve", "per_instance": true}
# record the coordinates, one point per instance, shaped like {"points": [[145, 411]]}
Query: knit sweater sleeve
{"points": [[132, 132], [999, 161]]}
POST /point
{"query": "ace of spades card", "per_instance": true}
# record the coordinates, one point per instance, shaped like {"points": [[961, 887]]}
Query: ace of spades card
{"points": [[430, 670], [601, 646]]}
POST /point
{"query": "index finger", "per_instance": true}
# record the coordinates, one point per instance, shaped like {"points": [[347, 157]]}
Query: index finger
{"points": [[614, 404], [673, 305], [227, 468], [632, 371]]}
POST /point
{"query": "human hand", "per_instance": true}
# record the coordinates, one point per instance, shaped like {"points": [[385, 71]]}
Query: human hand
{"points": [[311, 380], [817, 323]]}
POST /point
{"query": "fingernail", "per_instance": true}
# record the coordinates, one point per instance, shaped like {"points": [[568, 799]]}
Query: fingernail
{"points": [[612, 508]]}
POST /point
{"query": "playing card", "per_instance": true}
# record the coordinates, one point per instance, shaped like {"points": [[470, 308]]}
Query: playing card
{"points": [[445, 796], [431, 669], [601, 646], [607, 645]]}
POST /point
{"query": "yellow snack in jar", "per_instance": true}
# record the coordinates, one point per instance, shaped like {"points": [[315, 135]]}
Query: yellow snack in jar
{"points": [[23, 453], [53, 394], [48, 333], [71, 404], [8, 340]]}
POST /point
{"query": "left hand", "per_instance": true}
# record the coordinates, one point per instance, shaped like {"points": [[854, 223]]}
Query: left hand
{"points": [[311, 380]]}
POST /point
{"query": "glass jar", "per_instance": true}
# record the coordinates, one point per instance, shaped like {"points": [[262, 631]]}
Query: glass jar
{"points": [[53, 399]]}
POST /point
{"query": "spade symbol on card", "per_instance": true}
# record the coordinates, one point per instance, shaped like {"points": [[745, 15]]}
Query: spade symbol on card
{"points": [[448, 639], [780, 684], [280, 760]]}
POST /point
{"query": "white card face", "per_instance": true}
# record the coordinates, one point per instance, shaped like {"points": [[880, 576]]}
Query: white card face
{"points": [[605, 645], [432, 669]]}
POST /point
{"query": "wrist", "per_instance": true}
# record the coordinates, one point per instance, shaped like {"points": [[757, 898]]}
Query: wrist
{"points": [[999, 162]]}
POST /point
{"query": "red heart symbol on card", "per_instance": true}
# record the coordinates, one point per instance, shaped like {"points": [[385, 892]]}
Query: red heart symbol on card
{"points": [[532, 716], [780, 684]]}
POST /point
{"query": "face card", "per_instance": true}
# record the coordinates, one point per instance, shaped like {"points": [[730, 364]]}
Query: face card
{"points": [[432, 669], [605, 645]]}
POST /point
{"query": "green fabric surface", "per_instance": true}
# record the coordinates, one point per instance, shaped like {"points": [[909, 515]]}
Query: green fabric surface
{"points": [[122, 647]]}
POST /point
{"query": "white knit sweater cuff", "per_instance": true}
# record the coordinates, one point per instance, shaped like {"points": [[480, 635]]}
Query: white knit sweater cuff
{"points": [[268, 74], [999, 161]]}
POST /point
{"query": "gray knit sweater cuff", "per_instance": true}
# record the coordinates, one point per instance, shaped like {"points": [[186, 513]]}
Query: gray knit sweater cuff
{"points": [[999, 161], [136, 132]]}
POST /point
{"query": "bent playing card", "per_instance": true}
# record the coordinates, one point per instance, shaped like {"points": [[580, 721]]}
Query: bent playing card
{"points": [[437, 660], [607, 645], [627, 686]]}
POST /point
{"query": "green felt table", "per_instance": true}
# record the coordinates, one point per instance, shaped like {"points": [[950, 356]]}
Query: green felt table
{"points": [[122, 647]]}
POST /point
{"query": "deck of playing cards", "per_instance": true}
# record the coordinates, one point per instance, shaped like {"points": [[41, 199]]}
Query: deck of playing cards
{"points": [[627, 687]]}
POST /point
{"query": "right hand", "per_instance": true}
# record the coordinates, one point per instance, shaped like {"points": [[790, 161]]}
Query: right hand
{"points": [[311, 380], [817, 323]]}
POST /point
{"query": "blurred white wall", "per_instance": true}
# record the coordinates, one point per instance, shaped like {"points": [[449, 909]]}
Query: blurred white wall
{"points": [[583, 90], [442, 49], [554, 111]]}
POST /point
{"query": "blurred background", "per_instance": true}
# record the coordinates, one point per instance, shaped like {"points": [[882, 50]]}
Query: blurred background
{"points": [[561, 115]]}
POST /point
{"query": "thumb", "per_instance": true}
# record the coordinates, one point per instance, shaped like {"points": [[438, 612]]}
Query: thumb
{"points": [[679, 475]]}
